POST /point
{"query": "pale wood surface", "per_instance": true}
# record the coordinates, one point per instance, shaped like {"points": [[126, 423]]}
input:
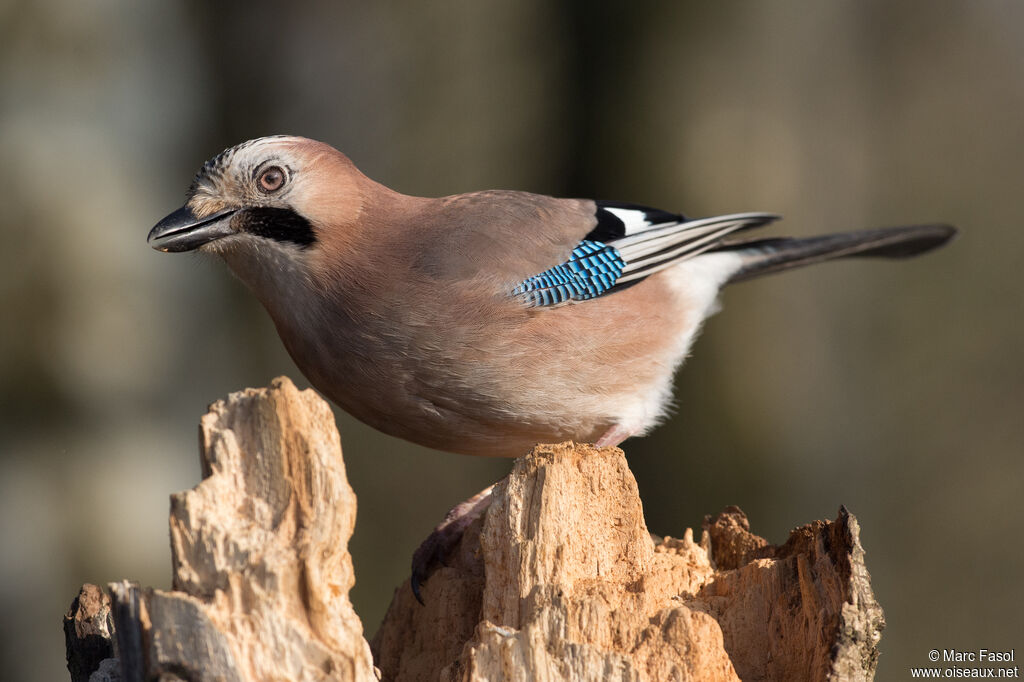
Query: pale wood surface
{"points": [[569, 585], [559, 579], [260, 554]]}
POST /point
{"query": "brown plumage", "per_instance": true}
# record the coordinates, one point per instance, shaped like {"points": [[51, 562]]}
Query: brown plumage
{"points": [[402, 309]]}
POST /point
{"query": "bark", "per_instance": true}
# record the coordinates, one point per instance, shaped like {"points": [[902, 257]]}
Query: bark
{"points": [[87, 632], [558, 579]]}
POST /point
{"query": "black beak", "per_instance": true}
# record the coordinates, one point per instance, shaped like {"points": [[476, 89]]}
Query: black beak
{"points": [[183, 231]]}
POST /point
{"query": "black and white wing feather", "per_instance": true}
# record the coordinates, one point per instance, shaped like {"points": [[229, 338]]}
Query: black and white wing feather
{"points": [[630, 242]]}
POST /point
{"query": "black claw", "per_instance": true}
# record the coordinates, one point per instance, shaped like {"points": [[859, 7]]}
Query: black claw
{"points": [[424, 560], [414, 582], [439, 545]]}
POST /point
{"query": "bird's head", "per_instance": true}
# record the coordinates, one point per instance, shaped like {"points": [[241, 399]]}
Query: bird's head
{"points": [[280, 191]]}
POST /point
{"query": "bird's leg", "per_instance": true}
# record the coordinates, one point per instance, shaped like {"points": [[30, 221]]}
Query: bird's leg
{"points": [[438, 546], [613, 436]]}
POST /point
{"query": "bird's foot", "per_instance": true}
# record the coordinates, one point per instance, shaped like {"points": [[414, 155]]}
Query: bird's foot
{"points": [[614, 436], [438, 546]]}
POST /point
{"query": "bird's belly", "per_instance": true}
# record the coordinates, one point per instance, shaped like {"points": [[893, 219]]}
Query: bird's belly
{"points": [[498, 383], [450, 411]]}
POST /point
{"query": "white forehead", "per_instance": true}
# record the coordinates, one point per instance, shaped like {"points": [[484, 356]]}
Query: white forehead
{"points": [[242, 159], [251, 152]]}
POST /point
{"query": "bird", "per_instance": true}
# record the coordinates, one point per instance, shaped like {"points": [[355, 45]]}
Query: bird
{"points": [[488, 322]]}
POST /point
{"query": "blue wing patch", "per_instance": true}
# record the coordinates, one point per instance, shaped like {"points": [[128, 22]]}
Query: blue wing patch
{"points": [[592, 270], [628, 244]]}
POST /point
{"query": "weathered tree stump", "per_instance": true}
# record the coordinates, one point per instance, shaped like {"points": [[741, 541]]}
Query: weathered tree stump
{"points": [[260, 555], [558, 580]]}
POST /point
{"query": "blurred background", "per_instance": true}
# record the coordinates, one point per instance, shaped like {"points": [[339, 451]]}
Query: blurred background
{"points": [[893, 388]]}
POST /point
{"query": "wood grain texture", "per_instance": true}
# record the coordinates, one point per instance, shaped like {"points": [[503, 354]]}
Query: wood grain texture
{"points": [[558, 579], [260, 554]]}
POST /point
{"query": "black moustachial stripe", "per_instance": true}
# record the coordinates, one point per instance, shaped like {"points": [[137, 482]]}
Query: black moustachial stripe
{"points": [[280, 224]]}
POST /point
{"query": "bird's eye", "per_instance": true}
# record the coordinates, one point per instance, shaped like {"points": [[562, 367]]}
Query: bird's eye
{"points": [[271, 179]]}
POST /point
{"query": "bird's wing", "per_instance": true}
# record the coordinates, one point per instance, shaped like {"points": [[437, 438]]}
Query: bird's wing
{"points": [[629, 243]]}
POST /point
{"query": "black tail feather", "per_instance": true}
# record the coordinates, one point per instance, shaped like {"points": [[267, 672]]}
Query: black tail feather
{"points": [[765, 256]]}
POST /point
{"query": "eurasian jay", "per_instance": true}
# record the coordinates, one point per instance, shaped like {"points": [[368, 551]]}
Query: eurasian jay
{"points": [[480, 323]]}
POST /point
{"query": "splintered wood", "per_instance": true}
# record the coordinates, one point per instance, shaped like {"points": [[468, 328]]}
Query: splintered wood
{"points": [[558, 580], [259, 551]]}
